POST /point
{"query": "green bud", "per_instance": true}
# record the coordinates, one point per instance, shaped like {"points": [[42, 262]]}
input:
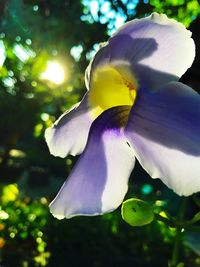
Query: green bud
{"points": [[137, 212]]}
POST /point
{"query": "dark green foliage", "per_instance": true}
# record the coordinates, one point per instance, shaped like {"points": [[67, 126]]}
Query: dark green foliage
{"points": [[30, 177]]}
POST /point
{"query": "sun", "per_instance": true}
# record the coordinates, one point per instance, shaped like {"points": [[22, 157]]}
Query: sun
{"points": [[54, 73]]}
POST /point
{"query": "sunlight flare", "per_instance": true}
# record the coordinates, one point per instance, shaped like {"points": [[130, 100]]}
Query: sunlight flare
{"points": [[54, 73]]}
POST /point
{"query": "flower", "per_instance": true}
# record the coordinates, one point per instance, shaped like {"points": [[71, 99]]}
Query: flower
{"points": [[134, 107]]}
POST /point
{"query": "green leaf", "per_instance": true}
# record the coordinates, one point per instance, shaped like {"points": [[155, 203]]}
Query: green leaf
{"points": [[196, 217]]}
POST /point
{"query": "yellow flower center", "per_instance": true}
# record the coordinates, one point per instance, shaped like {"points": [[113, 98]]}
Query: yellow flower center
{"points": [[110, 87]]}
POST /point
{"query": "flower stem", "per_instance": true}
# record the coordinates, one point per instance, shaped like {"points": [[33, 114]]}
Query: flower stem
{"points": [[176, 249], [177, 243]]}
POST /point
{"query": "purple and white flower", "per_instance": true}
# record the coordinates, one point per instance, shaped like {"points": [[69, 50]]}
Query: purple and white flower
{"points": [[134, 108]]}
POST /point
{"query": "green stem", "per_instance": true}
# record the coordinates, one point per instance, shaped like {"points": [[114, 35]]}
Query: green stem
{"points": [[177, 243], [176, 249]]}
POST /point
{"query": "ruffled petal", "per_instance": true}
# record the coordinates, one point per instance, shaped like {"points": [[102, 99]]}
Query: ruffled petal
{"points": [[157, 49], [164, 131], [69, 133], [98, 182]]}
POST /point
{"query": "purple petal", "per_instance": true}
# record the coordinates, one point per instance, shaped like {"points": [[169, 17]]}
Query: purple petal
{"points": [[158, 50], [164, 131], [98, 182], [69, 133]]}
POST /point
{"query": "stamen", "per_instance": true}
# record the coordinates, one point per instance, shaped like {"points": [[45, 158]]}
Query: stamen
{"points": [[131, 89]]}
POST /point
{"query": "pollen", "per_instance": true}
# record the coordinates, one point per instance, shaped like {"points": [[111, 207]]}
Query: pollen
{"points": [[110, 87]]}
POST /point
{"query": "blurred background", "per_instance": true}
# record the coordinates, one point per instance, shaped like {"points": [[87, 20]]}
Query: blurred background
{"points": [[45, 46]]}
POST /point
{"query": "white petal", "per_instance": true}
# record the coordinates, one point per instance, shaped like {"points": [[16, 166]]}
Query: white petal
{"points": [[158, 50], [98, 182], [69, 133], [164, 131]]}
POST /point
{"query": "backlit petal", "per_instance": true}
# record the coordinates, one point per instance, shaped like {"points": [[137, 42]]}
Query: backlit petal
{"points": [[69, 133], [158, 50], [98, 182], [164, 131]]}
